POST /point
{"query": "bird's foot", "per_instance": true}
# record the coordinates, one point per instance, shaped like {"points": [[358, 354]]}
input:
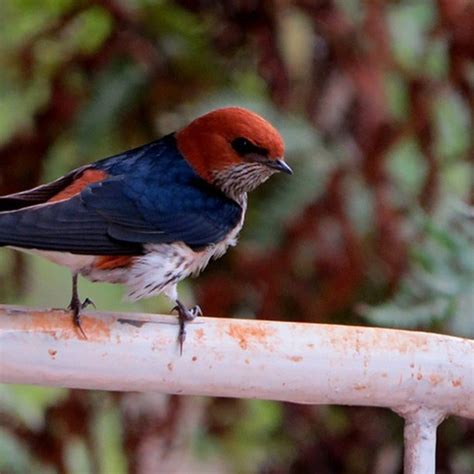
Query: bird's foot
{"points": [[76, 306], [185, 315]]}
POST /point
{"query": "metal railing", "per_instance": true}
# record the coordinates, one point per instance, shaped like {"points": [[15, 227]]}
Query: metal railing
{"points": [[424, 377]]}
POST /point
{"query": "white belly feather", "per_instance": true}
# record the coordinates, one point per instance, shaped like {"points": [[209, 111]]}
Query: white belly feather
{"points": [[75, 263], [164, 265]]}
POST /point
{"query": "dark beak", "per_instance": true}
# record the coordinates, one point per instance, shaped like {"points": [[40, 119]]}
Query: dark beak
{"points": [[279, 165]]}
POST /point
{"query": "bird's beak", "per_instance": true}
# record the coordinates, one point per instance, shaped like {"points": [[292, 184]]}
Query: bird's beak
{"points": [[279, 165]]}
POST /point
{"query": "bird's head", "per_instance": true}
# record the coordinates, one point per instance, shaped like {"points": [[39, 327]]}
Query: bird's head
{"points": [[233, 148]]}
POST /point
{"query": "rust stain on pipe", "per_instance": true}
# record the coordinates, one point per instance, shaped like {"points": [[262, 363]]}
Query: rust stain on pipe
{"points": [[356, 338], [52, 353], [435, 379], [59, 324], [246, 335], [199, 334]]}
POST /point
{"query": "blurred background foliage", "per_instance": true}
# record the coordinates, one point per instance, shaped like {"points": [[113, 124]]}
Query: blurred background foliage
{"points": [[375, 100]]}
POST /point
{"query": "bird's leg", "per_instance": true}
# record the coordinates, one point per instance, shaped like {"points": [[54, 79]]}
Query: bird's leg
{"points": [[76, 305], [185, 315]]}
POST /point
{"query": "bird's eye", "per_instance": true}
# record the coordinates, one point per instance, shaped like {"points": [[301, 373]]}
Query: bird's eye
{"points": [[244, 147]]}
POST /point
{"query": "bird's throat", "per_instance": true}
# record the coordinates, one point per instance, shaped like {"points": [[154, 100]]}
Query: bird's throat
{"points": [[237, 181]]}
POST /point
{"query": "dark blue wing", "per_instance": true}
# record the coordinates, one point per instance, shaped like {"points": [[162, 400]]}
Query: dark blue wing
{"points": [[192, 212], [65, 226]]}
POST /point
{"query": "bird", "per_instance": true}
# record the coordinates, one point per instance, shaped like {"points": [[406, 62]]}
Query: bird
{"points": [[153, 215]]}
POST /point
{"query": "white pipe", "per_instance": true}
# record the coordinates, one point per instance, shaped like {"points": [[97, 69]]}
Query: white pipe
{"points": [[304, 363], [420, 440]]}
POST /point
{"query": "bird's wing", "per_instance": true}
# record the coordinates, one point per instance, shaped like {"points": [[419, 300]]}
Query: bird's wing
{"points": [[118, 216], [193, 213], [64, 226], [40, 194]]}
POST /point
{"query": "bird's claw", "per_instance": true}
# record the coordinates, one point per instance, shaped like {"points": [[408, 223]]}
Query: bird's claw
{"points": [[75, 306], [185, 315], [88, 302], [195, 311], [181, 337]]}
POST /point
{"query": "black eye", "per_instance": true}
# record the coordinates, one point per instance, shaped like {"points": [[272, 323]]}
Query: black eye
{"points": [[244, 147]]}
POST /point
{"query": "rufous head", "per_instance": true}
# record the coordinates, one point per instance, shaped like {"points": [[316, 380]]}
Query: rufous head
{"points": [[234, 148]]}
